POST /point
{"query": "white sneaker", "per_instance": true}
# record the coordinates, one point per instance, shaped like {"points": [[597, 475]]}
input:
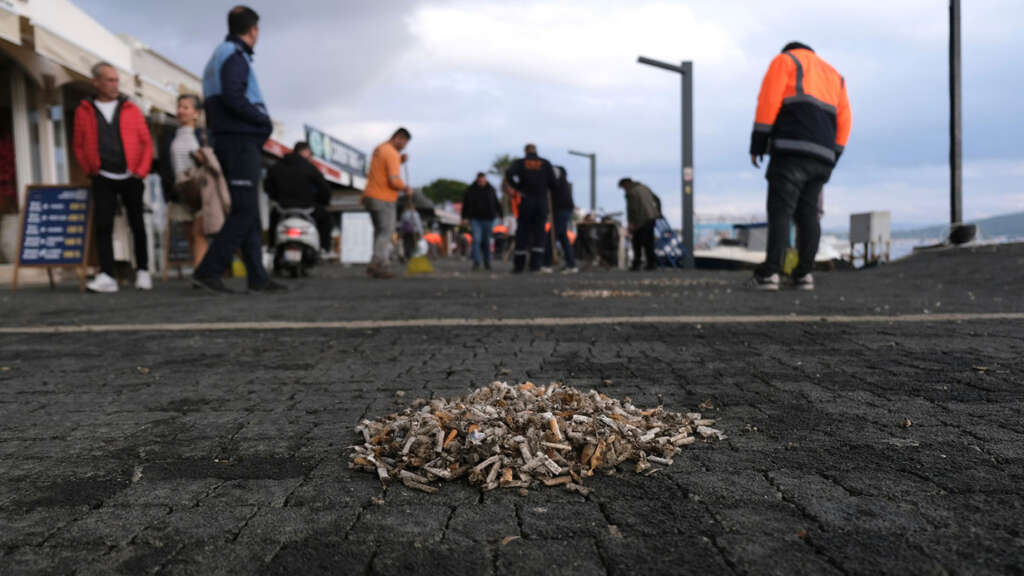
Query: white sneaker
{"points": [[143, 281], [546, 270], [573, 270], [103, 284]]}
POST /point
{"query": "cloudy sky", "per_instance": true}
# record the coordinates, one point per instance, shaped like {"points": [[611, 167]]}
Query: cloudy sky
{"points": [[473, 79]]}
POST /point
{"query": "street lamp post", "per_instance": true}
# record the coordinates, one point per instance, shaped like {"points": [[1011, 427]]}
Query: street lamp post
{"points": [[685, 69], [593, 177], [956, 215]]}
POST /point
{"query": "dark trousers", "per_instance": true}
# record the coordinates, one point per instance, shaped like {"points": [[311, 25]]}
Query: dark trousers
{"points": [[322, 219], [105, 192], [240, 160], [794, 188], [643, 243], [533, 214], [562, 219]]}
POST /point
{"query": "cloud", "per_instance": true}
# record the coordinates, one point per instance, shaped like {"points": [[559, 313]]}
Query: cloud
{"points": [[476, 79]]}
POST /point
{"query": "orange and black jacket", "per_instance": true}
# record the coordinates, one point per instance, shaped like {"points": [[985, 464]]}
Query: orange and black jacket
{"points": [[803, 109]]}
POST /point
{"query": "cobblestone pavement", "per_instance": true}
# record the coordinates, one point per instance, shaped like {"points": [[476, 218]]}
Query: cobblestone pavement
{"points": [[882, 448]]}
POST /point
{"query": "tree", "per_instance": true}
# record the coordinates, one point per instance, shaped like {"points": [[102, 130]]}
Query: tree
{"points": [[444, 189], [501, 164]]}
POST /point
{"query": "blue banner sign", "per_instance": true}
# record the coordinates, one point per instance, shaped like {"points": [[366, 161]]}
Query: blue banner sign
{"points": [[55, 226], [335, 152]]}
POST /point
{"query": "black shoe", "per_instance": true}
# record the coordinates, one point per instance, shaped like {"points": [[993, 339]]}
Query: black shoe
{"points": [[215, 285], [475, 267], [268, 287]]}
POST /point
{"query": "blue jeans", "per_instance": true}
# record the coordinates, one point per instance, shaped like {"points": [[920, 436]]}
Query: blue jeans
{"points": [[240, 159], [481, 231], [562, 219]]}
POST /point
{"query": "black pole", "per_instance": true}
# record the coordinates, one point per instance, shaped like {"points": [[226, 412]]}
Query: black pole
{"points": [[955, 118], [687, 116], [593, 183]]}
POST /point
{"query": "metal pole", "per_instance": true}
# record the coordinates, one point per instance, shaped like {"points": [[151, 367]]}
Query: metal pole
{"points": [[593, 183], [955, 117], [592, 156], [687, 152]]}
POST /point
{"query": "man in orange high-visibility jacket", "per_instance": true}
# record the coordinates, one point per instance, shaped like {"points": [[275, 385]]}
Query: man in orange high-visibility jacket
{"points": [[803, 121]]}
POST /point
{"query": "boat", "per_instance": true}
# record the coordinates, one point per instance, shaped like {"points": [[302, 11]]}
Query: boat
{"points": [[745, 249]]}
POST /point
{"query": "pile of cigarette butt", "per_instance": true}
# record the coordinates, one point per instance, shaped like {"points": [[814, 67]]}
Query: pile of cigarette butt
{"points": [[523, 436]]}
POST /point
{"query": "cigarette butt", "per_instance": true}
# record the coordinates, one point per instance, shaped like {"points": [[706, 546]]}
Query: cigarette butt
{"points": [[419, 486], [472, 428], [558, 481], [507, 476], [488, 462], [451, 436], [553, 422], [555, 446], [406, 475], [408, 445], [493, 475]]}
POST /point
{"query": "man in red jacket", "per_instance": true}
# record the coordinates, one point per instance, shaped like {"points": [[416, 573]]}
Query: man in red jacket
{"points": [[113, 147]]}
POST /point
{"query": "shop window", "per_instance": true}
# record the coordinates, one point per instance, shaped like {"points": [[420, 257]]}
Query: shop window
{"points": [[33, 131], [60, 148]]}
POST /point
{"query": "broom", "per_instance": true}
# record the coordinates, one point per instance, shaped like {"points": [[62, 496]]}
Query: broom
{"points": [[418, 264]]}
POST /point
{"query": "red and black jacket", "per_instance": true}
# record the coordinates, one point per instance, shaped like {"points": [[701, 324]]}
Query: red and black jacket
{"points": [[138, 145]]}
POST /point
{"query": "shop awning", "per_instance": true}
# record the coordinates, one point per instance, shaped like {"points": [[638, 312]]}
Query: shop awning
{"points": [[75, 58], [10, 26], [36, 66]]}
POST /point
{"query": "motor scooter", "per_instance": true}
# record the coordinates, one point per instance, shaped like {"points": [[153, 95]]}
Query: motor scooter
{"points": [[298, 242]]}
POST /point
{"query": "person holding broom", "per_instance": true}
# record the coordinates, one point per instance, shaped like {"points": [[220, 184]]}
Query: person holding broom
{"points": [[383, 186]]}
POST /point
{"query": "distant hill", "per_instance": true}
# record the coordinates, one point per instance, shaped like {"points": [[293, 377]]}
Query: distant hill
{"points": [[1004, 225]]}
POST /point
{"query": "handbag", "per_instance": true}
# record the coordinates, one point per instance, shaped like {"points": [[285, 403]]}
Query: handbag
{"points": [[190, 189]]}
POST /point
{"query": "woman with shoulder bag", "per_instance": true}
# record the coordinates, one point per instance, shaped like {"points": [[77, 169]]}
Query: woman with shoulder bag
{"points": [[193, 185]]}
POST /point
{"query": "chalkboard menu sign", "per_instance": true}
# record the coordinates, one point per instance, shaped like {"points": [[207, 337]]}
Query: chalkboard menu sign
{"points": [[55, 228], [179, 247]]}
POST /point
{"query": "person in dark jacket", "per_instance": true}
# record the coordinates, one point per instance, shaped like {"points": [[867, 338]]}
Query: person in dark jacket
{"points": [[295, 182], [238, 124], [175, 159], [532, 177], [480, 207], [113, 146], [563, 206], [643, 209]]}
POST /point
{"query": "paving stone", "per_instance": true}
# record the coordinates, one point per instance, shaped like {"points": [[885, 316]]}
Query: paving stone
{"points": [[321, 557], [422, 523], [549, 557], [562, 520], [397, 558], [777, 556], [487, 522], [655, 555], [108, 526]]}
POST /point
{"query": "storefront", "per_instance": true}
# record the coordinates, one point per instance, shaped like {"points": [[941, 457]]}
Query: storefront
{"points": [[47, 50]]}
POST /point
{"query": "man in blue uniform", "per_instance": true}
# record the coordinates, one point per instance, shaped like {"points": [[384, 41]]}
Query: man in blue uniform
{"points": [[238, 125], [533, 177]]}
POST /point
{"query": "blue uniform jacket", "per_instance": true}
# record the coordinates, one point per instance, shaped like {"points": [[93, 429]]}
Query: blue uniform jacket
{"points": [[234, 102]]}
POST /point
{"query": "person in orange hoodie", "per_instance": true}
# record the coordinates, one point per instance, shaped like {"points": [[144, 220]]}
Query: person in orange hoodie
{"points": [[803, 121], [383, 185]]}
